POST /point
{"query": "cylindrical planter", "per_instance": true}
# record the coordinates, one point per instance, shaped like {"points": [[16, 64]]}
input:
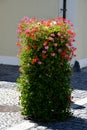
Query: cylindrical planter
{"points": [[46, 48]]}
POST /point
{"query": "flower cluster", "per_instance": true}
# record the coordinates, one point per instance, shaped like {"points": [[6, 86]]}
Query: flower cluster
{"points": [[47, 38], [46, 48]]}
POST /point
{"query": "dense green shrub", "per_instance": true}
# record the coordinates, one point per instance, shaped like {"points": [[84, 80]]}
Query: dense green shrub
{"points": [[46, 48]]}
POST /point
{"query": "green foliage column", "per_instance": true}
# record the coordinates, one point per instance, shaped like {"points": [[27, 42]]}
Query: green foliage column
{"points": [[46, 48]]}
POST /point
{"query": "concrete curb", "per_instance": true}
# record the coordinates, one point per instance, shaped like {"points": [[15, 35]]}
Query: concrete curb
{"points": [[83, 62], [78, 64]]}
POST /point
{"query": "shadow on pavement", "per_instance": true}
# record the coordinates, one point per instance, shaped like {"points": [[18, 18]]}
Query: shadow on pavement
{"points": [[79, 80], [9, 73], [73, 123]]}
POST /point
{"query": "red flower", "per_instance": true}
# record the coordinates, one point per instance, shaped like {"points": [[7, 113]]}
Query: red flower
{"points": [[34, 60], [69, 98], [35, 46], [32, 37], [48, 23], [18, 44], [45, 43], [44, 56], [28, 48], [63, 53], [71, 32]]}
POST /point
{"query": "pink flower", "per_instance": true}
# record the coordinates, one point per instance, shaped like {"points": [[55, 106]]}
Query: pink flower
{"points": [[70, 44], [67, 44], [53, 54], [17, 31], [50, 39], [39, 62], [43, 51], [69, 22], [27, 30], [63, 29], [59, 34], [20, 40], [52, 35], [25, 18], [67, 57], [59, 50], [55, 44], [64, 35], [72, 25], [46, 47], [28, 64], [71, 39]]}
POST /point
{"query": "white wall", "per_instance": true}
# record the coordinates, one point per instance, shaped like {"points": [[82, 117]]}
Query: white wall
{"points": [[76, 12], [11, 11], [81, 29], [81, 32]]}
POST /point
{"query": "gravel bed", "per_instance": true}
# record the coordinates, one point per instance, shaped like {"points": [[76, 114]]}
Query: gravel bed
{"points": [[9, 119], [8, 93], [9, 96]]}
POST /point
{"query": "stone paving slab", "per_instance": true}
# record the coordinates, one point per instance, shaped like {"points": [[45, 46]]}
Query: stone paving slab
{"points": [[7, 108]]}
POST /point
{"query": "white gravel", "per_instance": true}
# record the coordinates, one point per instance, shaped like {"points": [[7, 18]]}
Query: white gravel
{"points": [[8, 93], [9, 96]]}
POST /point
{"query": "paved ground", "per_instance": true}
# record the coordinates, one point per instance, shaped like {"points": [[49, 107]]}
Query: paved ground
{"points": [[9, 73], [9, 108]]}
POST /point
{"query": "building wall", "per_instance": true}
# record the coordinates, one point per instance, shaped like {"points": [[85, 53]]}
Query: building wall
{"points": [[11, 11], [81, 29], [76, 12]]}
